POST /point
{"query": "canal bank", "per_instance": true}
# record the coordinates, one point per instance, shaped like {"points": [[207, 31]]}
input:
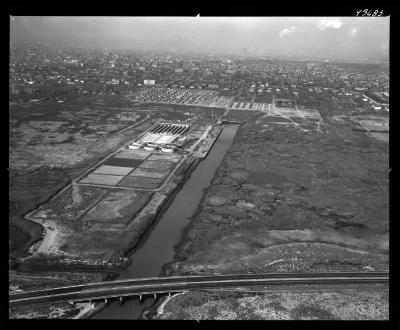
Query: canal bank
{"points": [[158, 248]]}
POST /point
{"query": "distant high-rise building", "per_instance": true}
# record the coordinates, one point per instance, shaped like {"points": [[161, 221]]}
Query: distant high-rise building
{"points": [[207, 72]]}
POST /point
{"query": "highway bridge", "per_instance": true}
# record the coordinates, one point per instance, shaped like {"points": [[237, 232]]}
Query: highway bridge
{"points": [[157, 285]]}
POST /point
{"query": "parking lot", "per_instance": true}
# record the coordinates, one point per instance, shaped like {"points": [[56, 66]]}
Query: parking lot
{"points": [[240, 105], [185, 96], [206, 98]]}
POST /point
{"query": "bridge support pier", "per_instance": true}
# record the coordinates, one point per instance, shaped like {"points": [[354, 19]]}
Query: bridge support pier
{"points": [[105, 300], [140, 299], [155, 296], [121, 300]]}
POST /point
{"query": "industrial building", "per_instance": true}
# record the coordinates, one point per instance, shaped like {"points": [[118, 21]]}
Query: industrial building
{"points": [[161, 136]]}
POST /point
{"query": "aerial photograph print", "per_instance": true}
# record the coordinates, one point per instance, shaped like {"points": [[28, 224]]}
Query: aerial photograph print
{"points": [[199, 167]]}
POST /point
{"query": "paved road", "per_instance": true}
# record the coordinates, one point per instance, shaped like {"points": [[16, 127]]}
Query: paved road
{"points": [[131, 287]]}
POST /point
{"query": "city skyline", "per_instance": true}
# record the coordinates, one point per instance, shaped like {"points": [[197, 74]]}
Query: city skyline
{"points": [[336, 37]]}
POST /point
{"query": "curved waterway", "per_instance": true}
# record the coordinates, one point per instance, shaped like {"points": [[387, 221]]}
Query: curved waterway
{"points": [[159, 246]]}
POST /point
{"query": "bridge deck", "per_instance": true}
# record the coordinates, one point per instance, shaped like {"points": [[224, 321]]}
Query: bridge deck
{"points": [[132, 287]]}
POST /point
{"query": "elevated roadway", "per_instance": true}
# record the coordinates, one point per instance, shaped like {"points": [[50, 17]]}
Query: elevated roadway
{"points": [[155, 285]]}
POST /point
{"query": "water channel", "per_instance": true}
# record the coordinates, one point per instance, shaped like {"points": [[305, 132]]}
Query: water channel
{"points": [[158, 248]]}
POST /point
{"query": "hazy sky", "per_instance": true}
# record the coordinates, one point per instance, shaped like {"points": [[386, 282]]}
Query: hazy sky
{"points": [[309, 36]]}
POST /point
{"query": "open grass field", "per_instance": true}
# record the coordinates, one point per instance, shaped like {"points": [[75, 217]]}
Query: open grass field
{"points": [[301, 197], [289, 199]]}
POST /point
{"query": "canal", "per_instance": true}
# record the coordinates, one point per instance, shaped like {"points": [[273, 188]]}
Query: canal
{"points": [[158, 248]]}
